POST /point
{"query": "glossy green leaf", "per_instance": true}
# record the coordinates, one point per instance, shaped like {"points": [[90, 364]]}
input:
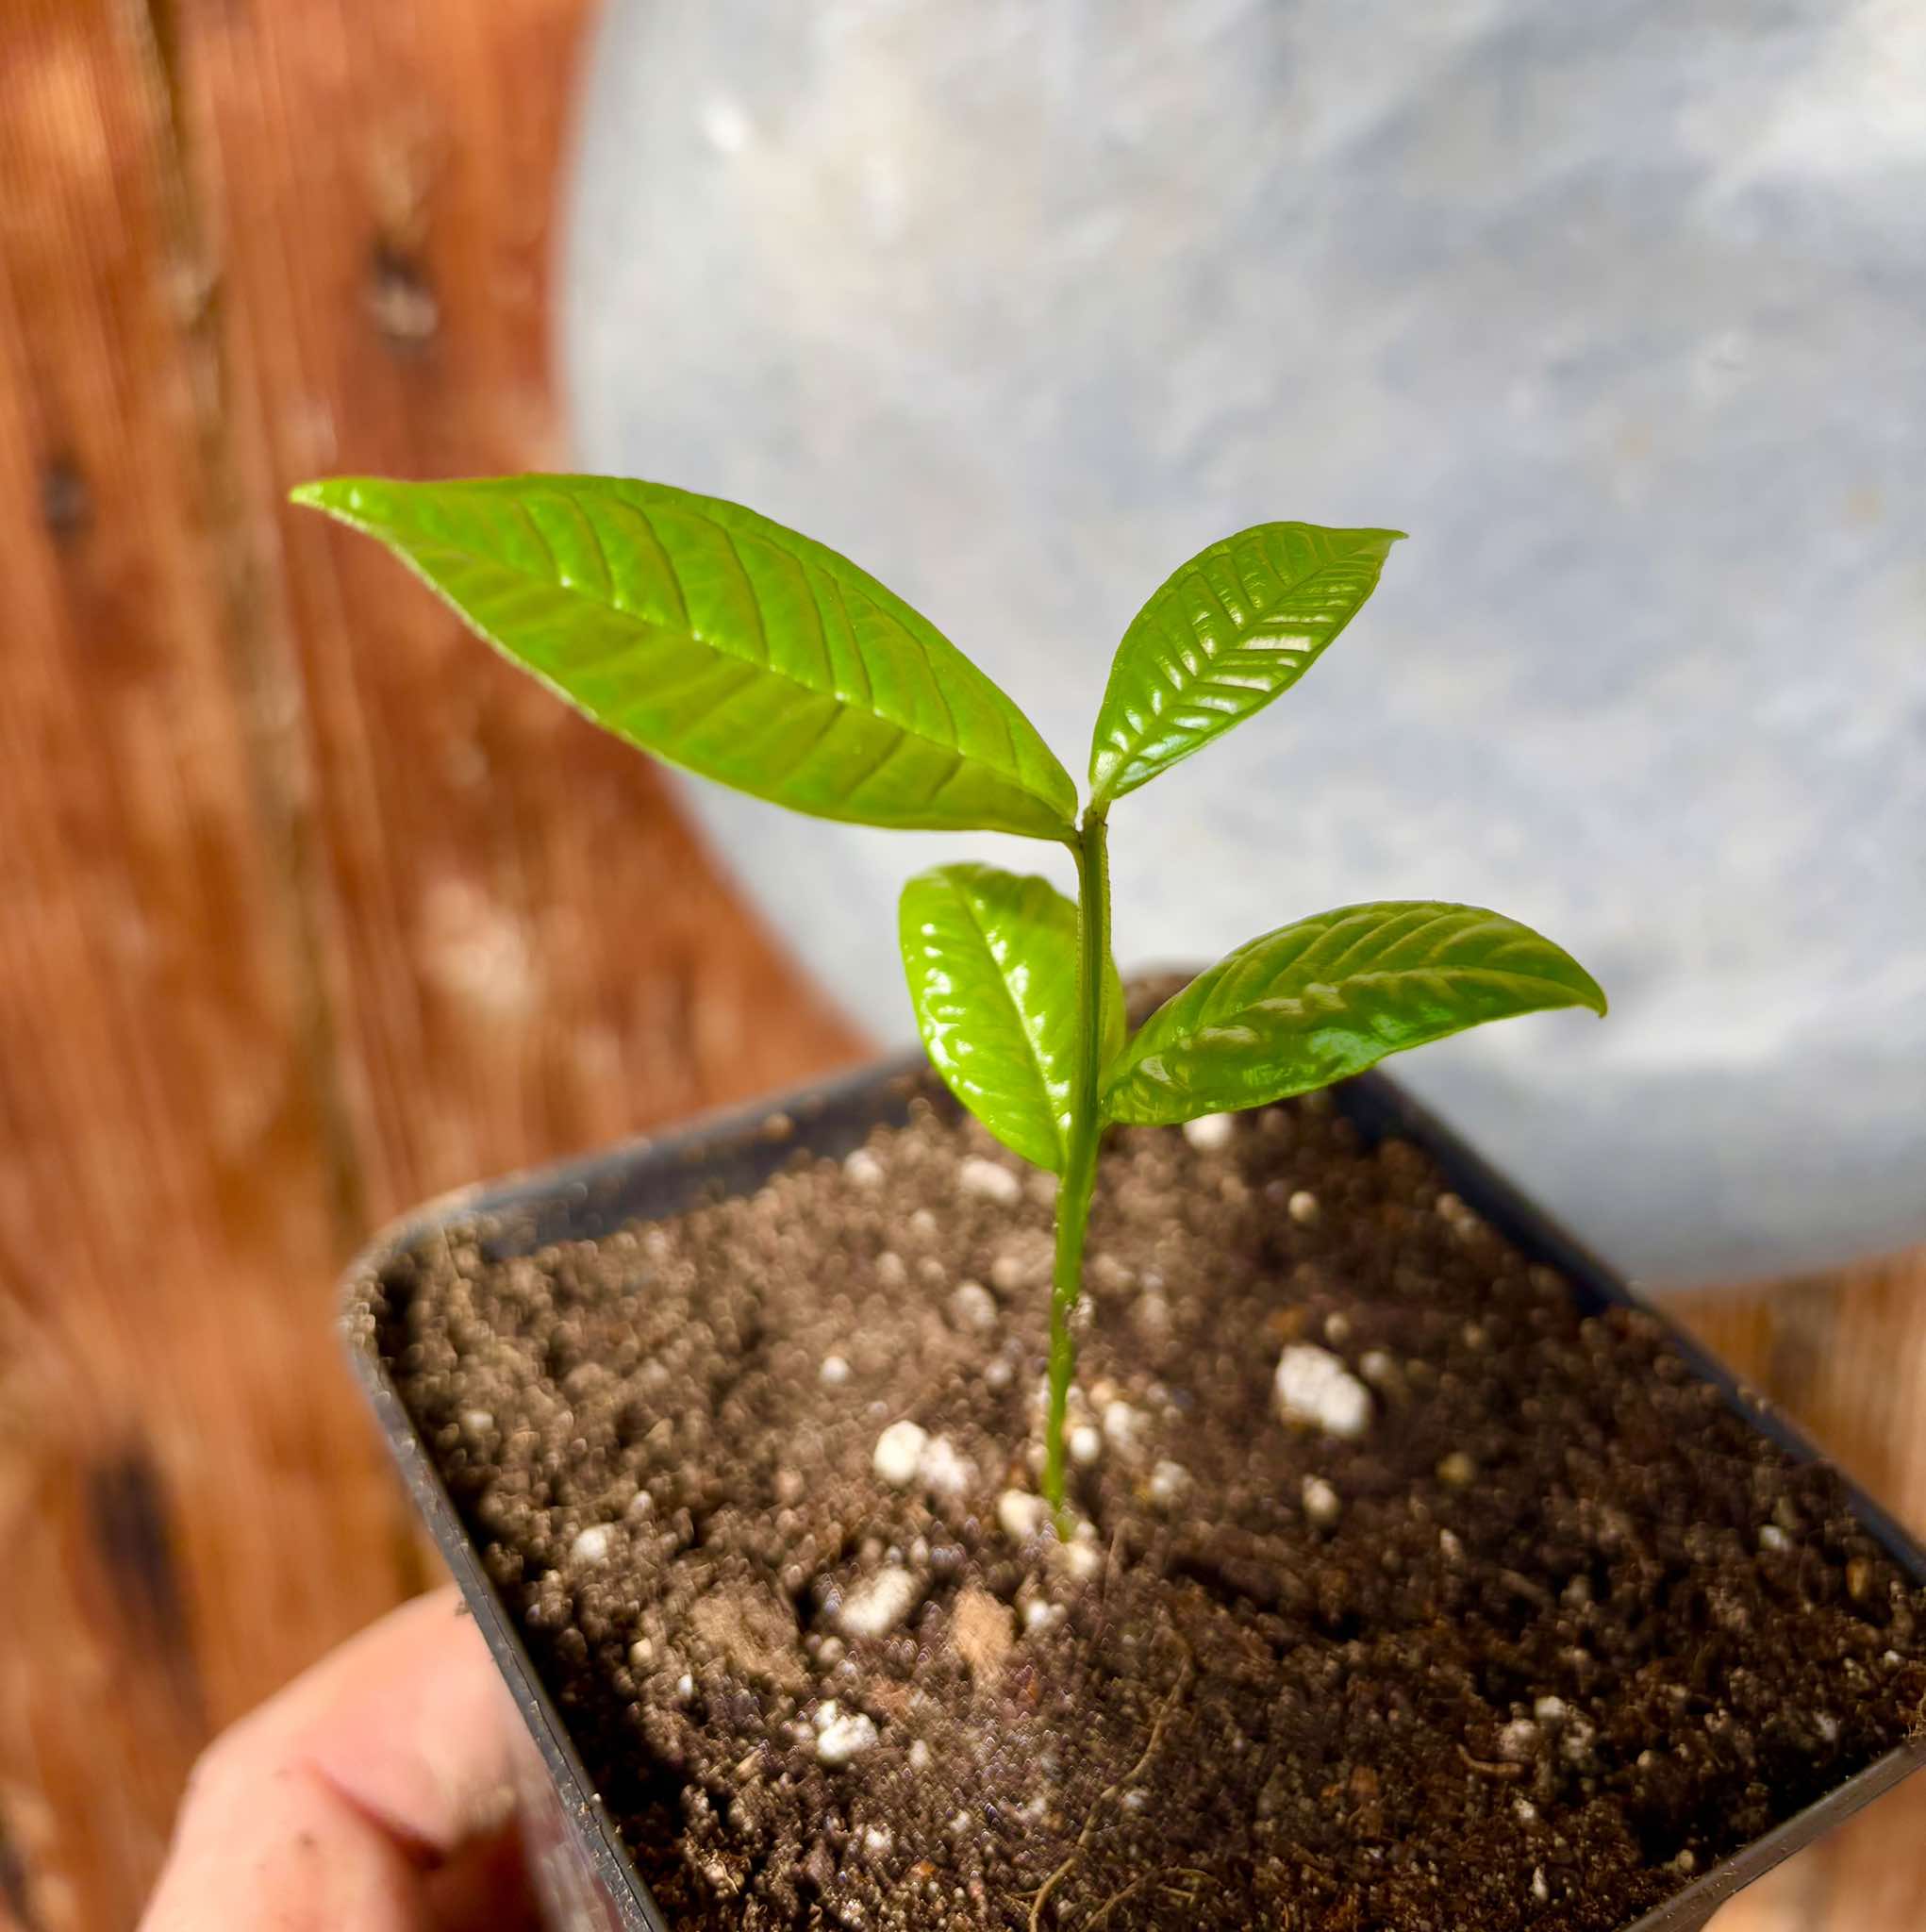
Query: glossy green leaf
{"points": [[1330, 996], [724, 643], [1236, 626], [992, 958]]}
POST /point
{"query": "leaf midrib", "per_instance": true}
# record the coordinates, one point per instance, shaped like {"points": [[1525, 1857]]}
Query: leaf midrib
{"points": [[1133, 747], [1496, 975], [610, 602], [969, 899]]}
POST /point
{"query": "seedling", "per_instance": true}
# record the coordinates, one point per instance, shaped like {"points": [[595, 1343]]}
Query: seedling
{"points": [[724, 643]]}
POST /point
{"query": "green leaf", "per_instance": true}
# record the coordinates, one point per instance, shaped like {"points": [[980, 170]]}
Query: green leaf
{"points": [[724, 643], [1236, 626], [992, 963], [1330, 996]]}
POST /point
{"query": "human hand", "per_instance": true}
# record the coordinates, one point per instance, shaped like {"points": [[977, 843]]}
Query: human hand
{"points": [[371, 1795]]}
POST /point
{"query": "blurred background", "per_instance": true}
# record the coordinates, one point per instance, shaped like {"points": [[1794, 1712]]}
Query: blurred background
{"points": [[310, 907]]}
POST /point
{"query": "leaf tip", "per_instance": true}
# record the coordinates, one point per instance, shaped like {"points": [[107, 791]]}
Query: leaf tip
{"points": [[1586, 992], [334, 496], [352, 499]]}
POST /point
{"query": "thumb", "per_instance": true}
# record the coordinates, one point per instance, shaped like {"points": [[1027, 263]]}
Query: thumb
{"points": [[351, 1801]]}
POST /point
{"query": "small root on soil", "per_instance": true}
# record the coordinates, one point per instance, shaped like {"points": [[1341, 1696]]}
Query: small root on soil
{"points": [[1041, 1896]]}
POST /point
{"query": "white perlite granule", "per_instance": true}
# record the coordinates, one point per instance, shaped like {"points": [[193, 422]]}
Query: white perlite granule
{"points": [[1120, 1425], [1313, 1387], [1021, 1514], [1322, 1507], [942, 1469], [864, 1169], [1209, 1132], [840, 1736], [875, 1608], [977, 1175], [899, 1454], [972, 1306], [1081, 1559], [1168, 1483], [593, 1544]]}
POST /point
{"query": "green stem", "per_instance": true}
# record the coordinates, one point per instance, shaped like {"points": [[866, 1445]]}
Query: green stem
{"points": [[1079, 1178]]}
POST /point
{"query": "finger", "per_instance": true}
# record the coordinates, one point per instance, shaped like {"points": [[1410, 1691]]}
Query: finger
{"points": [[486, 1889], [332, 1805]]}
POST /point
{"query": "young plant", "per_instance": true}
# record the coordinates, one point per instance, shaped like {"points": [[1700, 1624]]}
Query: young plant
{"points": [[724, 643]]}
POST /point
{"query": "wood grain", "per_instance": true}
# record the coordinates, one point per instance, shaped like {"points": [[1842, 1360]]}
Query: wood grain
{"points": [[524, 947], [1845, 1356], [166, 1226], [308, 907]]}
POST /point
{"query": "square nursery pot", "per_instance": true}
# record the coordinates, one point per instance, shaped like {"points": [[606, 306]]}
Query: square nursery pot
{"points": [[587, 1879]]}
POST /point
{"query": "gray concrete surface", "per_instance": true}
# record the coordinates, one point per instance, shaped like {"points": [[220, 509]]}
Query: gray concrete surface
{"points": [[1618, 309]]}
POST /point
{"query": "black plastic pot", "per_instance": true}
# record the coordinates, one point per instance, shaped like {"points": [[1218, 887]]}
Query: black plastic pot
{"points": [[588, 1881]]}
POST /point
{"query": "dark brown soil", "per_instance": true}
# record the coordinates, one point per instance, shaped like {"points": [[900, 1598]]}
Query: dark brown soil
{"points": [[1556, 1630]]}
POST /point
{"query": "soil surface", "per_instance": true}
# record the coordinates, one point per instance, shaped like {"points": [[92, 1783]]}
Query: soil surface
{"points": [[1511, 1624]]}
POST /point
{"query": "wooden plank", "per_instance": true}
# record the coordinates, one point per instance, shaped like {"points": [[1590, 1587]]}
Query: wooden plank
{"points": [[312, 907], [167, 1219], [1845, 1355], [526, 950]]}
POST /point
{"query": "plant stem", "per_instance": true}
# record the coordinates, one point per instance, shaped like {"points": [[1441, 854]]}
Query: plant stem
{"points": [[1079, 1178]]}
